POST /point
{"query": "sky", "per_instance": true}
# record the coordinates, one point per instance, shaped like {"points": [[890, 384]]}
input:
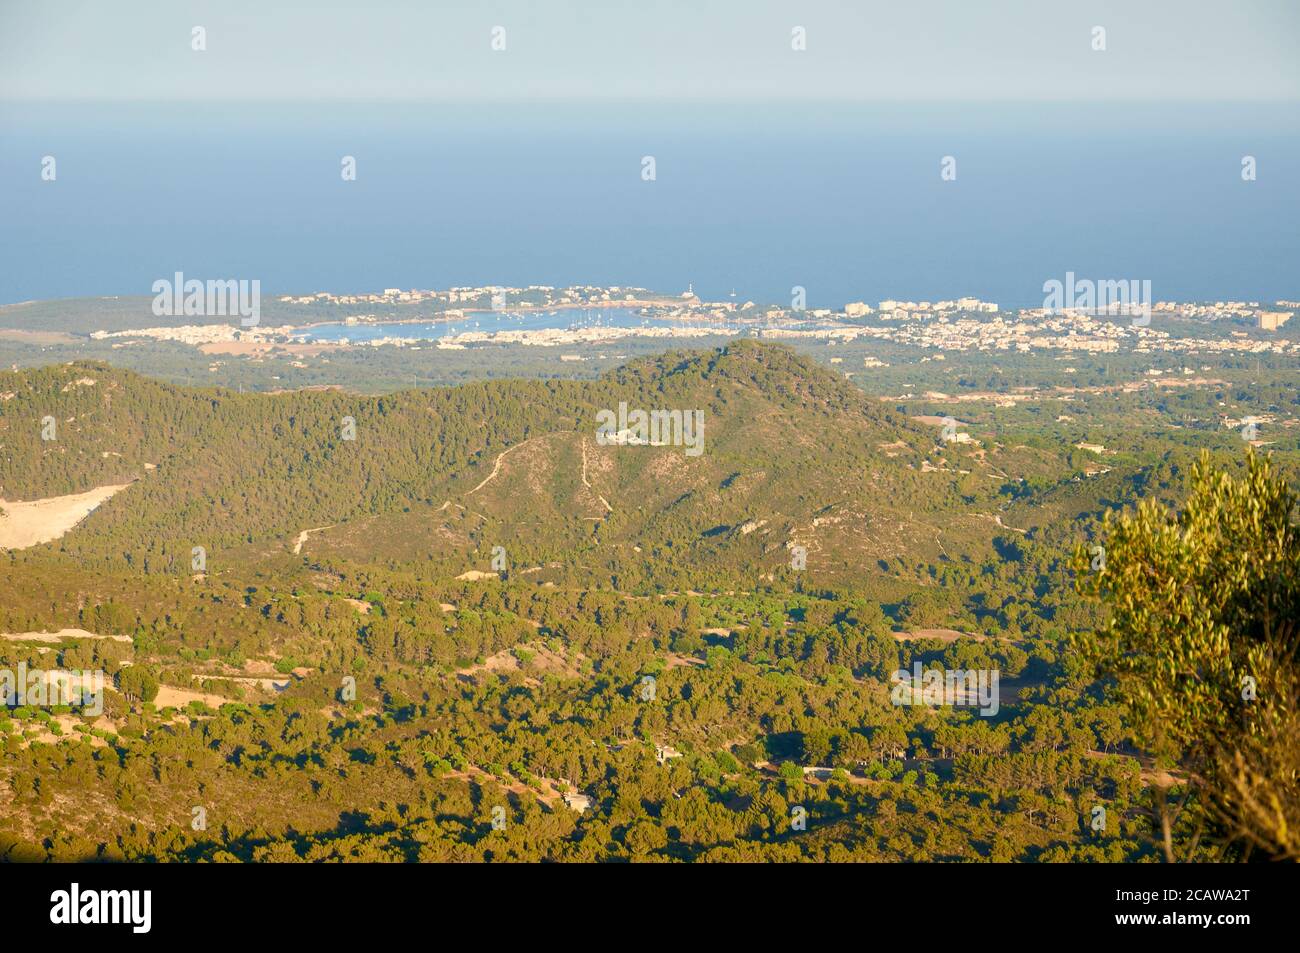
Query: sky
{"points": [[776, 167], [668, 50]]}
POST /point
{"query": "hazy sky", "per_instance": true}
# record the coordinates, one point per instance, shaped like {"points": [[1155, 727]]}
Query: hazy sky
{"points": [[664, 50]]}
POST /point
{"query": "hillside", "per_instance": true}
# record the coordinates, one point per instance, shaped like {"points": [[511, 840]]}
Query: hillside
{"points": [[453, 600], [792, 455]]}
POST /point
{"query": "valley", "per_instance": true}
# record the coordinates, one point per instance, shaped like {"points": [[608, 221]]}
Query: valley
{"points": [[467, 602]]}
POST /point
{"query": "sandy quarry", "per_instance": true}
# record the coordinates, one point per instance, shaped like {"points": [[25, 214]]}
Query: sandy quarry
{"points": [[31, 523]]}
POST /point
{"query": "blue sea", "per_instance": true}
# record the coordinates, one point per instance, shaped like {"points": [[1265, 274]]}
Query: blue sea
{"points": [[844, 201]]}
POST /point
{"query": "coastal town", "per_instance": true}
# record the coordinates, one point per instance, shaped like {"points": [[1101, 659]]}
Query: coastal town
{"points": [[454, 318]]}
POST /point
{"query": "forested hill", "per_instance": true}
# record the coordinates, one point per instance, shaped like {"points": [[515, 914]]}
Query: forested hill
{"points": [[457, 605], [791, 456]]}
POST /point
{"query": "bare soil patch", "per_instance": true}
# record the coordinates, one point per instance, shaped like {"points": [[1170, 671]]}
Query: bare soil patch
{"points": [[30, 523], [943, 635], [62, 635]]}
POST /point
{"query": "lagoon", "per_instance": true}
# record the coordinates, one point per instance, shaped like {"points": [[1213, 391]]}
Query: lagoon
{"points": [[489, 322]]}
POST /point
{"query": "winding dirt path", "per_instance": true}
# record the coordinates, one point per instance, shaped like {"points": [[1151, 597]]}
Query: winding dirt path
{"points": [[302, 537], [496, 467], [586, 482]]}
